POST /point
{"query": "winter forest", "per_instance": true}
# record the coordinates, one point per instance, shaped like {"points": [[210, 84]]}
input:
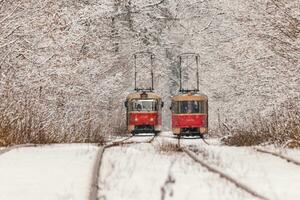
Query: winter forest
{"points": [[66, 67]]}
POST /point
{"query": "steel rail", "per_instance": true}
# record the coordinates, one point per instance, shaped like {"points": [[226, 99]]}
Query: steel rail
{"points": [[10, 148], [288, 159], [210, 168], [93, 195], [97, 164]]}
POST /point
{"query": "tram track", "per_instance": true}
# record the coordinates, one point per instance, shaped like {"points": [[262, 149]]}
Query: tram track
{"points": [[10, 148], [222, 174], [94, 189], [97, 164], [286, 158]]}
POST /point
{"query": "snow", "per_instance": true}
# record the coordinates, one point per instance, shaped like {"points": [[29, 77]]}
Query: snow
{"points": [[291, 153], [58, 172], [143, 171], [140, 171], [267, 174], [66, 68]]}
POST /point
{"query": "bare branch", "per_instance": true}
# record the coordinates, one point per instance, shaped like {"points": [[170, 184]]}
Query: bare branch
{"points": [[154, 5], [207, 26], [9, 43], [12, 32], [9, 15]]}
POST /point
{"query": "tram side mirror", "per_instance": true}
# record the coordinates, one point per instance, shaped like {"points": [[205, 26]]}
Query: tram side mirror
{"points": [[162, 104], [170, 107], [126, 104]]}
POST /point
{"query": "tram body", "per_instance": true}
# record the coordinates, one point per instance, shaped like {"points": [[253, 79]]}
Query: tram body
{"points": [[189, 115], [143, 112]]}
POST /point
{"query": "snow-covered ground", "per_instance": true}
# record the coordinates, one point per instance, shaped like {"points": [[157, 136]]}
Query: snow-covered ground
{"points": [[266, 174], [290, 153], [143, 171], [57, 172]]}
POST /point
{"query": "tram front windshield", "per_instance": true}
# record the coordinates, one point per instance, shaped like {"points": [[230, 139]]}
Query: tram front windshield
{"points": [[189, 107], [144, 105]]}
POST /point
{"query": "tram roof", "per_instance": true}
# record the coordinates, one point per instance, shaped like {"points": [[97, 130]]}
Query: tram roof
{"points": [[190, 97], [137, 95]]}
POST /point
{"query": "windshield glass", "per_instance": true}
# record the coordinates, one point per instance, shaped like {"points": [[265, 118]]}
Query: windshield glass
{"points": [[189, 107], [144, 105]]}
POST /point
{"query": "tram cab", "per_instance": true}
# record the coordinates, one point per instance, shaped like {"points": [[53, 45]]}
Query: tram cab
{"points": [[189, 114], [143, 112]]}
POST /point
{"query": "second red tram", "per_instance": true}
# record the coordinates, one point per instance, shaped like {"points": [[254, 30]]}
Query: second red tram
{"points": [[144, 112], [189, 114]]}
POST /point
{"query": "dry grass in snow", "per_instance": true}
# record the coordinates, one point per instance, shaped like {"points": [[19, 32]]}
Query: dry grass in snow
{"points": [[23, 123], [168, 147], [281, 128]]}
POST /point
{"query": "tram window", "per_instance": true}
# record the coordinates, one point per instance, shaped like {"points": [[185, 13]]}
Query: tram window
{"points": [[144, 105], [175, 106], [191, 107]]}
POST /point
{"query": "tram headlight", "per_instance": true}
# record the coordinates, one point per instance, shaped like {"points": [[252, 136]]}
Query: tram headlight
{"points": [[151, 119], [136, 119]]}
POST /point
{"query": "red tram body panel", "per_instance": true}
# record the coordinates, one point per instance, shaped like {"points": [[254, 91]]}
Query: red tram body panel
{"points": [[188, 120], [144, 118]]}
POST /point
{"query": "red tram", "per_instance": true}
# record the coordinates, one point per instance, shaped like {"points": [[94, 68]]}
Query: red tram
{"points": [[143, 107], [144, 112], [189, 108], [189, 114]]}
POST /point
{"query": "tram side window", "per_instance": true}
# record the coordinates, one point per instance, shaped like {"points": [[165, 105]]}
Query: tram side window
{"points": [[175, 107]]}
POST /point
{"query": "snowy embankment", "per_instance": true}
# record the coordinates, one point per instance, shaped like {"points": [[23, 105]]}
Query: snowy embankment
{"points": [[61, 172]]}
